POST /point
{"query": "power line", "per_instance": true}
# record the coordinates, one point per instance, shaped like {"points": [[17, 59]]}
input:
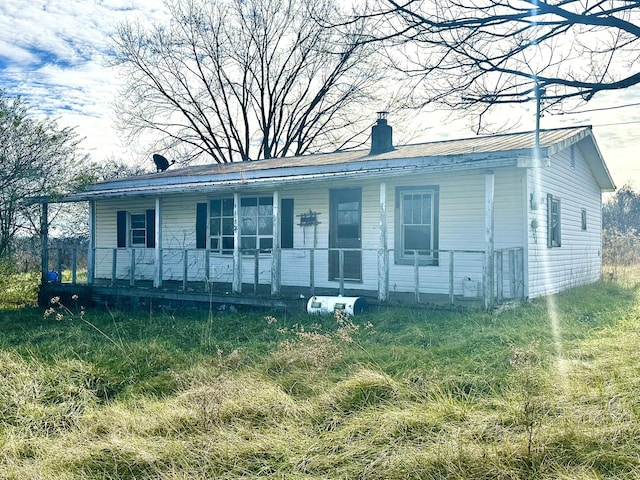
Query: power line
{"points": [[616, 123], [598, 109]]}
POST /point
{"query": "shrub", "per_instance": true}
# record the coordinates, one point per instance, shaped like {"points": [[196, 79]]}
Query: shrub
{"points": [[620, 254]]}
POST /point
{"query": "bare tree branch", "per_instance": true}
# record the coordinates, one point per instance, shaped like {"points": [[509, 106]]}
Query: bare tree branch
{"points": [[470, 54], [247, 80]]}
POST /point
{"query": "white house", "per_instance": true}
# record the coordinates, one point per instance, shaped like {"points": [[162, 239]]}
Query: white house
{"points": [[494, 216]]}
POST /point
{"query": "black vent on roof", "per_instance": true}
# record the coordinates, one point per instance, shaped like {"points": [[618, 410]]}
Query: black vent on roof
{"points": [[381, 135]]}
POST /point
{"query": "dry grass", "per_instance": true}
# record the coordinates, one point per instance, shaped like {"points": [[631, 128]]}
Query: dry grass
{"points": [[392, 395]]}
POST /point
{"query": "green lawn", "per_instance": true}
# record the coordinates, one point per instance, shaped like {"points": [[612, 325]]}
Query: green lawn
{"points": [[525, 392]]}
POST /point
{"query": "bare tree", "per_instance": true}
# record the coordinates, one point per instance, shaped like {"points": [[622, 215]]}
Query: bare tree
{"points": [[36, 159], [482, 53], [621, 212], [72, 219], [247, 80]]}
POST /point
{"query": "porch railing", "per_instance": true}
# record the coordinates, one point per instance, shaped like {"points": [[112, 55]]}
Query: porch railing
{"points": [[188, 268]]}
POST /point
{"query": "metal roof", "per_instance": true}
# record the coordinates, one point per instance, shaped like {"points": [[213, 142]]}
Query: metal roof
{"points": [[476, 152]]}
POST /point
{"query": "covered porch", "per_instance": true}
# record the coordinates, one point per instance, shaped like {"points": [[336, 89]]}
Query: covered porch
{"points": [[196, 277], [249, 276]]}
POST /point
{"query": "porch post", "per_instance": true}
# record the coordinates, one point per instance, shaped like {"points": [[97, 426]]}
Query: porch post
{"points": [[236, 286], [74, 265], [512, 274], [44, 240], [451, 273], [487, 275], [383, 252], [157, 281], [499, 263], [91, 253], [275, 251]]}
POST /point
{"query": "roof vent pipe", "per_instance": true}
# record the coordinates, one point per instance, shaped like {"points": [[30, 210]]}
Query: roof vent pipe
{"points": [[381, 135]]}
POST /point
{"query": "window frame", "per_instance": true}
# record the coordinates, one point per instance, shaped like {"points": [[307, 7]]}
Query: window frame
{"points": [[583, 219], [554, 221], [223, 233], [126, 228], [257, 217], [400, 255], [203, 224], [139, 240], [225, 218]]}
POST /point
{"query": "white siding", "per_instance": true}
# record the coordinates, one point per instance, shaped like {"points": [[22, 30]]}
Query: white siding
{"points": [[106, 241], [178, 241], [461, 227], [295, 263], [578, 260]]}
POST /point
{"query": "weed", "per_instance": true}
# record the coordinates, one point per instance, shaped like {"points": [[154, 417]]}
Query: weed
{"points": [[529, 386], [62, 312], [39, 398]]}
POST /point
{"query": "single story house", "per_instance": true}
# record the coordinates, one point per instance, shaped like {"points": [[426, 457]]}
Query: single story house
{"points": [[492, 218]]}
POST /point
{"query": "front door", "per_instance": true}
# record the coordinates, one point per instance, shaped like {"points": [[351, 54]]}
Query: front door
{"points": [[344, 233]]}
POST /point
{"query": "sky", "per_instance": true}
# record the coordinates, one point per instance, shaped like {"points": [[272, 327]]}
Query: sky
{"points": [[54, 53]]}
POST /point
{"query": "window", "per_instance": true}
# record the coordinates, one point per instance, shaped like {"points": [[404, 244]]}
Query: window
{"points": [[136, 229], [256, 223], [417, 225], [584, 219], [553, 221], [221, 225]]}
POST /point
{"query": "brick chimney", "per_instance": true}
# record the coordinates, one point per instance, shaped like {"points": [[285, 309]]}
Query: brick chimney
{"points": [[381, 135]]}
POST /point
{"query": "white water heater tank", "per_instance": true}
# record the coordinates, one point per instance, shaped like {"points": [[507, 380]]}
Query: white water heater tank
{"points": [[326, 305]]}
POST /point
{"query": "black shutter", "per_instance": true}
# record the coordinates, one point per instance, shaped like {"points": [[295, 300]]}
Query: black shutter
{"points": [[151, 228], [286, 223], [201, 225], [121, 228], [559, 223], [549, 220]]}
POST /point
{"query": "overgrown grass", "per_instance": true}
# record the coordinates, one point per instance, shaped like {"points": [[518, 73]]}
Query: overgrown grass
{"points": [[17, 289], [392, 394]]}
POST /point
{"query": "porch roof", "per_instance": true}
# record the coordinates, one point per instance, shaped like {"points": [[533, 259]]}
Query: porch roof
{"points": [[477, 152]]}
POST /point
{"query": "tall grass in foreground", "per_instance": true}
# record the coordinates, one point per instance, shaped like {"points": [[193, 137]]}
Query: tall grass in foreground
{"points": [[392, 394]]}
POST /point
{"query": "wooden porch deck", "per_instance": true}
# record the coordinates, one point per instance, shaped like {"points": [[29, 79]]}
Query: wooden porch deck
{"points": [[181, 287], [219, 297]]}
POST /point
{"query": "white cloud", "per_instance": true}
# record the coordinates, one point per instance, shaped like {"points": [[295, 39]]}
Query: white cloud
{"points": [[53, 53]]}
